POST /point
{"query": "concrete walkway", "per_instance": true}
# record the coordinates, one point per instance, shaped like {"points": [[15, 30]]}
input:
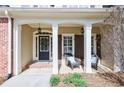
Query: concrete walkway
{"points": [[30, 78]]}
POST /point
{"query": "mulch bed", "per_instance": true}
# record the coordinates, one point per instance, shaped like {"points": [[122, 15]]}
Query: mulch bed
{"points": [[1, 80], [100, 80]]}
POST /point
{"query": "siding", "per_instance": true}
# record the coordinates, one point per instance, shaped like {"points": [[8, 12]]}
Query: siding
{"points": [[98, 45], [79, 46], [59, 46]]}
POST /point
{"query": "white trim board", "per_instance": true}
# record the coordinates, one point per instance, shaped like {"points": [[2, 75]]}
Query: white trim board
{"points": [[9, 44]]}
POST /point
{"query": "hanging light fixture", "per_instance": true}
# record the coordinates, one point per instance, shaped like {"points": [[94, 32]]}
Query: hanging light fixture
{"points": [[82, 30], [39, 30]]}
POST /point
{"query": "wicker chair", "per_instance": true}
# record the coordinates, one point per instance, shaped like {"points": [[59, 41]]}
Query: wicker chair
{"points": [[72, 61], [94, 61]]}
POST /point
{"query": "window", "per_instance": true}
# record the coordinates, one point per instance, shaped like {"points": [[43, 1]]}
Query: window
{"points": [[92, 45], [51, 47], [68, 44]]}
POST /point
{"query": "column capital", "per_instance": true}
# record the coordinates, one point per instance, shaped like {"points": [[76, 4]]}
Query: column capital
{"points": [[55, 25], [87, 27]]}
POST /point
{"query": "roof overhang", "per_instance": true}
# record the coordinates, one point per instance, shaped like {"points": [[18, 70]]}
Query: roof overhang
{"points": [[56, 13]]}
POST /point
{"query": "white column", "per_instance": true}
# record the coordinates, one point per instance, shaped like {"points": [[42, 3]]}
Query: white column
{"points": [[17, 49], [87, 48], [55, 48], [9, 45]]}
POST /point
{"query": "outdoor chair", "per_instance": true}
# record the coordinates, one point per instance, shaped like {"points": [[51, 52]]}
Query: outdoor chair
{"points": [[94, 61], [72, 61]]}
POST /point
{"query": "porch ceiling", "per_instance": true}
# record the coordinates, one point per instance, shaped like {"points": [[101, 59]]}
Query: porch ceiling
{"points": [[57, 13]]}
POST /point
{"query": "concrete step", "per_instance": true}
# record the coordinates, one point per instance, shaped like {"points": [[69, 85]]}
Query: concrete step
{"points": [[41, 65]]}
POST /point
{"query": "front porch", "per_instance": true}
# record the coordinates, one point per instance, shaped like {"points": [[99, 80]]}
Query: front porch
{"points": [[46, 67], [53, 43], [78, 35]]}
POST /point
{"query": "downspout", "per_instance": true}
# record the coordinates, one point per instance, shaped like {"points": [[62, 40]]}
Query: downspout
{"points": [[9, 44]]}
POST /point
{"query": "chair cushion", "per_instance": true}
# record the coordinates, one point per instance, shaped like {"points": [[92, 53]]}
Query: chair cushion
{"points": [[93, 60], [71, 59]]}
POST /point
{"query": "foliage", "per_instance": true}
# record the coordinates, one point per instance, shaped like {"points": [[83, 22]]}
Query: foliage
{"points": [[79, 82], [75, 79], [76, 75], [68, 79], [54, 80]]}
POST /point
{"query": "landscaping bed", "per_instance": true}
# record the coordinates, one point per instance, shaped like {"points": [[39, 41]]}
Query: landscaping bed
{"points": [[1, 80], [96, 80]]}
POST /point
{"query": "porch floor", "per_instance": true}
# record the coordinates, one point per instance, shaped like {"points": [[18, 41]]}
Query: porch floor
{"points": [[63, 69]]}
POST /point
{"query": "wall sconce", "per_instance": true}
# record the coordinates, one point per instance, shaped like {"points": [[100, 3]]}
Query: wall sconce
{"points": [[82, 30]]}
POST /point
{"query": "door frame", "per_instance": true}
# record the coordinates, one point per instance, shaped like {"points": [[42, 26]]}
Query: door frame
{"points": [[36, 50]]}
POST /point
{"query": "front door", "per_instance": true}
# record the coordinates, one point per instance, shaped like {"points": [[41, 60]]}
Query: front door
{"points": [[43, 47]]}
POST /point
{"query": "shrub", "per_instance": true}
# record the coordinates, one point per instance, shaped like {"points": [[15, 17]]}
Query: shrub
{"points": [[79, 82], [75, 79], [76, 75], [68, 79], [54, 80]]}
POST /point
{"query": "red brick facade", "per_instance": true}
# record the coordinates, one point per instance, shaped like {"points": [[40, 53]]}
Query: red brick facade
{"points": [[3, 47]]}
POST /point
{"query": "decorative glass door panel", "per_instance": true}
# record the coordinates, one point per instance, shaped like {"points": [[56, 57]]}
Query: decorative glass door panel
{"points": [[43, 47]]}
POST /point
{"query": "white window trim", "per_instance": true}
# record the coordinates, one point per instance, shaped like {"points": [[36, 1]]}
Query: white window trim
{"points": [[34, 46], [73, 43], [50, 53]]}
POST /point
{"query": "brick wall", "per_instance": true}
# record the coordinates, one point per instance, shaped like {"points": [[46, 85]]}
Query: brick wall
{"points": [[3, 46]]}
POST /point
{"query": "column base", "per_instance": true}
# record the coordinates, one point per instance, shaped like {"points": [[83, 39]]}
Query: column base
{"points": [[88, 71], [55, 71]]}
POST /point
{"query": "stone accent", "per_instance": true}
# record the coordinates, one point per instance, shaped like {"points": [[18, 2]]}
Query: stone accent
{"points": [[112, 46], [3, 46], [107, 53], [113, 39]]}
